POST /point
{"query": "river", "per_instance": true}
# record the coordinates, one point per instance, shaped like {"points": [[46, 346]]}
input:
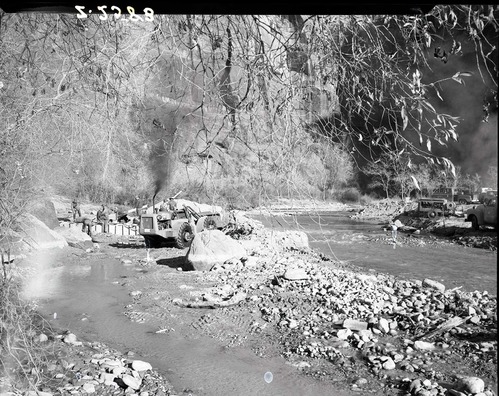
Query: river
{"points": [[337, 235]]}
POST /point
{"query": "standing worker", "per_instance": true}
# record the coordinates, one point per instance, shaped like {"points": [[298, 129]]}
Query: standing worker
{"points": [[394, 228], [75, 208], [103, 218], [172, 207], [86, 224], [165, 212], [172, 204]]}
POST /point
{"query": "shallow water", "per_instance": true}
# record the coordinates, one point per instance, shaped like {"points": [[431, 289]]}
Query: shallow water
{"points": [[334, 234], [88, 300]]}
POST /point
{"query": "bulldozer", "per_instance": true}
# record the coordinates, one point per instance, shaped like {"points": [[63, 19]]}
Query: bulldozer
{"points": [[161, 228]]}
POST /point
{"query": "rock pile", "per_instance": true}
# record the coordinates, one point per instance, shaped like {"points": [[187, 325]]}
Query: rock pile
{"points": [[384, 210], [482, 242], [80, 369], [399, 325]]}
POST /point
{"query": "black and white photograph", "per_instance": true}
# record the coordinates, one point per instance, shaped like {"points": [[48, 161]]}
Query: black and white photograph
{"points": [[229, 199]]}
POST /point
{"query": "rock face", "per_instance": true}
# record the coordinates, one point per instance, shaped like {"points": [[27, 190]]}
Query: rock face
{"points": [[212, 247], [38, 235], [44, 210]]}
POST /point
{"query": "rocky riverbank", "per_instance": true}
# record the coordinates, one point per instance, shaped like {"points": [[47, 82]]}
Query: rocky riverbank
{"points": [[370, 332], [365, 332], [74, 367]]}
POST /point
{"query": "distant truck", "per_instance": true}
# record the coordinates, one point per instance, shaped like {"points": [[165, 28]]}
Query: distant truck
{"points": [[434, 207], [484, 214], [460, 195], [486, 193]]}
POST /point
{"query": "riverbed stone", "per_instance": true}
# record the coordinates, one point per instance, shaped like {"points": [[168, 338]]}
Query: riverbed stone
{"points": [[88, 387], [70, 338], [471, 385], [139, 365], [434, 285], [42, 338], [343, 334], [383, 325], [355, 325], [131, 381], [294, 274], [423, 345], [388, 363]]}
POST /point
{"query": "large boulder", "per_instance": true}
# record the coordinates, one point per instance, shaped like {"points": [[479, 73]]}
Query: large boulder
{"points": [[37, 234], [75, 237], [211, 247], [44, 210]]}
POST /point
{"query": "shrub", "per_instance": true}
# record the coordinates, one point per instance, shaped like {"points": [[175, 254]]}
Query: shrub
{"points": [[349, 195], [367, 199], [21, 357]]}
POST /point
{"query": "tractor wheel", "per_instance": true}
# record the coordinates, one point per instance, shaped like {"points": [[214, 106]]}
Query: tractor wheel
{"points": [[209, 223], [463, 202], [474, 223], [184, 237], [432, 214]]}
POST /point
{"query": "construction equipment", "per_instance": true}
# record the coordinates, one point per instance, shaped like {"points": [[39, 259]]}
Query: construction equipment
{"points": [[177, 226]]}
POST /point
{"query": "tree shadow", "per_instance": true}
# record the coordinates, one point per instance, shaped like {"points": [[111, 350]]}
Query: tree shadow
{"points": [[127, 246], [176, 262], [480, 336]]}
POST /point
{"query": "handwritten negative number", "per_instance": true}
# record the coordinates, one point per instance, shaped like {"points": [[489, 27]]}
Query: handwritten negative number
{"points": [[148, 12], [102, 17], [117, 15]]}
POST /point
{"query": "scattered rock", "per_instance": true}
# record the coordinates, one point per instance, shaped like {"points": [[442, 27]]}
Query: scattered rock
{"points": [[424, 346], [471, 385], [131, 381], [70, 339], [139, 365], [295, 274], [434, 285], [355, 325], [388, 363], [88, 387]]}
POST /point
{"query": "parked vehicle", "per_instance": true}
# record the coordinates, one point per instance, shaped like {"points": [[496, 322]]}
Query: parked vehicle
{"points": [[484, 214], [434, 207], [460, 195], [162, 227], [488, 193]]}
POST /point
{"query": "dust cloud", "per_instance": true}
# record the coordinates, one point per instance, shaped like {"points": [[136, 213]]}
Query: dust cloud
{"points": [[44, 279]]}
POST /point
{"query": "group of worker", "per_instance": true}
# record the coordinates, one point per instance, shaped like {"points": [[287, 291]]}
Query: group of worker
{"points": [[102, 217], [87, 221]]}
